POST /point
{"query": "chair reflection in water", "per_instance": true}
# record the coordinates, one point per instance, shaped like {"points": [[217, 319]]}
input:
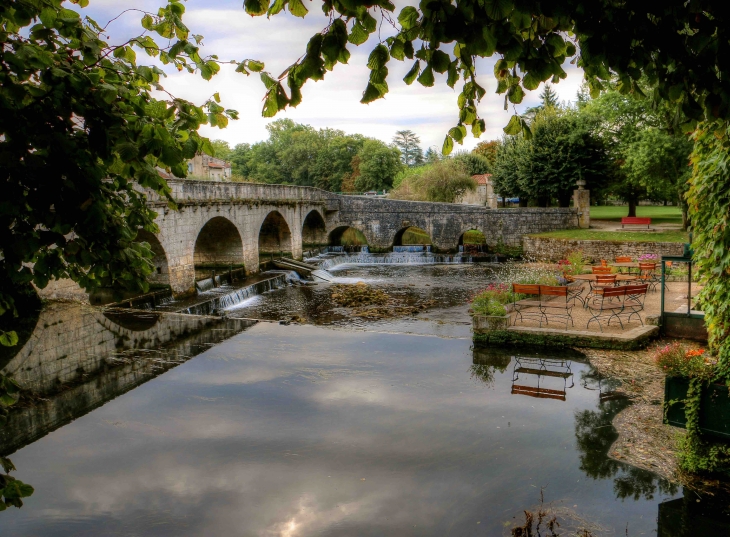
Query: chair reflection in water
{"points": [[541, 370]]}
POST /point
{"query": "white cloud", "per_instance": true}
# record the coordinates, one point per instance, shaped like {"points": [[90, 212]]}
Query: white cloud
{"points": [[333, 102]]}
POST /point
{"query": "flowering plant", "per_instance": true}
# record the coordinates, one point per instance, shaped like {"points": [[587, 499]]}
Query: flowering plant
{"points": [[677, 360], [491, 300], [648, 258], [574, 264]]}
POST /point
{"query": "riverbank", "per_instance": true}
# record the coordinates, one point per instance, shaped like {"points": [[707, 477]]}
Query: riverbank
{"points": [[644, 441]]}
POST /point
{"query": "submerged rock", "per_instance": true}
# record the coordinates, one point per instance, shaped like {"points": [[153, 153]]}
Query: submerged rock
{"points": [[371, 303]]}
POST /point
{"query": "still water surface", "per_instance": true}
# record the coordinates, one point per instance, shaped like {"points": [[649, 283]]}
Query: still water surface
{"points": [[304, 430]]}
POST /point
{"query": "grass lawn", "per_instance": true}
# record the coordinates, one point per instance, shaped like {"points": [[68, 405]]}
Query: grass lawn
{"points": [[414, 235], [353, 237], [474, 237], [658, 214], [631, 236]]}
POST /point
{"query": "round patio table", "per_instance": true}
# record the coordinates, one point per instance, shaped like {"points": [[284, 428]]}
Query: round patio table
{"points": [[619, 277], [631, 264]]}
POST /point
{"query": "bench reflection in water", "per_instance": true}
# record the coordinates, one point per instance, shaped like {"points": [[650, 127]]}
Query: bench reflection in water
{"points": [[531, 376]]}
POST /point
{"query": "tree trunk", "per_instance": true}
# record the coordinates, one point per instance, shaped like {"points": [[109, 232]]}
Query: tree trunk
{"points": [[685, 208], [523, 201], [632, 206]]}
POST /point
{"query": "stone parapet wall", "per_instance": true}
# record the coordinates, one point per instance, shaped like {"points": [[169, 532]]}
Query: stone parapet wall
{"points": [[548, 249], [380, 220], [187, 190]]}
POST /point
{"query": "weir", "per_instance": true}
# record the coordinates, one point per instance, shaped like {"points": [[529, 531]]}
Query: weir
{"points": [[403, 258], [412, 248], [216, 300]]}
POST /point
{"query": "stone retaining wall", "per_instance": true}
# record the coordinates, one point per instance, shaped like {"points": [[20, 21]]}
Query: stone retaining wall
{"points": [[556, 249]]}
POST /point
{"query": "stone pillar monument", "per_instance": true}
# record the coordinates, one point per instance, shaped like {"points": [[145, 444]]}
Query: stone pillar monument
{"points": [[491, 196], [582, 202]]}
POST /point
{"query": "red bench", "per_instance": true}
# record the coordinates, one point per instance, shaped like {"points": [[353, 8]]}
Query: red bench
{"points": [[634, 220]]}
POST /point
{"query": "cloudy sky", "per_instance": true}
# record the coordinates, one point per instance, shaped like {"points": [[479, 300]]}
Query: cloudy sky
{"points": [[332, 102]]}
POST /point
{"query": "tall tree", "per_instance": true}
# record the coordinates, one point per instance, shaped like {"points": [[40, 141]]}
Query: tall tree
{"points": [[409, 144], [432, 155], [83, 129], [659, 162], [472, 163], [488, 150], [443, 181], [379, 164], [548, 97], [221, 149], [506, 168], [563, 148], [620, 120]]}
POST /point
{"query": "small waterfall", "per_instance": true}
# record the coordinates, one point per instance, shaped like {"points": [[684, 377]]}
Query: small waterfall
{"points": [[474, 248], [225, 276], [204, 285], [292, 276], [229, 298], [403, 259], [412, 248], [322, 275], [347, 249]]}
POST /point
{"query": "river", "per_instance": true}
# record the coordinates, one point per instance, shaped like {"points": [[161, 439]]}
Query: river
{"points": [[167, 425]]}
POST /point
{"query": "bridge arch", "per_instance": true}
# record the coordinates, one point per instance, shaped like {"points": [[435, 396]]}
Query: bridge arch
{"points": [[161, 272], [472, 236], [473, 241], [218, 244], [411, 235], [275, 235], [347, 236], [314, 229]]}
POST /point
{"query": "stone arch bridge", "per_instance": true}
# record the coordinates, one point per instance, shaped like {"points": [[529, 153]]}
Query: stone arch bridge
{"points": [[238, 224]]}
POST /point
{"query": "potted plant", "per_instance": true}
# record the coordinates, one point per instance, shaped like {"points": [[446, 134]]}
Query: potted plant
{"points": [[489, 308], [693, 397]]}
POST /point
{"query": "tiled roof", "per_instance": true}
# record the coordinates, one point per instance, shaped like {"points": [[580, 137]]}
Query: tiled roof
{"points": [[482, 178], [164, 174]]}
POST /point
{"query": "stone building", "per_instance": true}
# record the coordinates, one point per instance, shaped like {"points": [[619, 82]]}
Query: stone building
{"points": [[483, 195], [204, 166]]}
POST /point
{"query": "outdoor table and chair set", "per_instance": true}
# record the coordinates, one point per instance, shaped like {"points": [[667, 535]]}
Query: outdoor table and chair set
{"points": [[611, 296]]}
